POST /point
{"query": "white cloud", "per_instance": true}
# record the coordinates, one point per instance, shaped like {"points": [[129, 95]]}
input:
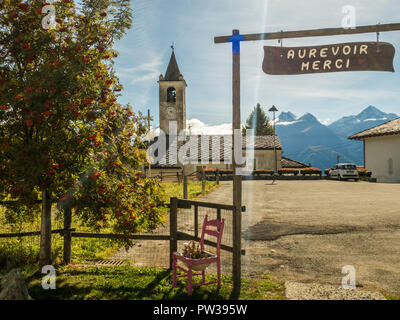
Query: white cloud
{"points": [[147, 71], [196, 126]]}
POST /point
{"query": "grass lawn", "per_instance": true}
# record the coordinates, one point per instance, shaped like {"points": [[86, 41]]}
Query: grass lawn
{"points": [[127, 283], [174, 189]]}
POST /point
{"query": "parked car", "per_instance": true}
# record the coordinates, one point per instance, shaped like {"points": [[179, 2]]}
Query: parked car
{"points": [[344, 171]]}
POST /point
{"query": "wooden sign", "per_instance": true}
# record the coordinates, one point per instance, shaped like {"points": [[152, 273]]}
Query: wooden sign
{"points": [[355, 56]]}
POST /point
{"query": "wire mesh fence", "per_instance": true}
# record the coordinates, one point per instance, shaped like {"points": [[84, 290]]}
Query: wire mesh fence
{"points": [[187, 224], [148, 252], [151, 253], [20, 240], [19, 243]]}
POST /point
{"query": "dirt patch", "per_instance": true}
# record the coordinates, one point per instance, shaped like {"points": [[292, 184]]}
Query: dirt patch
{"points": [[314, 291], [268, 231]]}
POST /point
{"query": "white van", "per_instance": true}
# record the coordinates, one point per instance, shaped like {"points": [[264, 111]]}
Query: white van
{"points": [[345, 171]]}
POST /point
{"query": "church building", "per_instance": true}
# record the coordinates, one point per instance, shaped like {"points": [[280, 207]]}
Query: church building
{"points": [[205, 151]]}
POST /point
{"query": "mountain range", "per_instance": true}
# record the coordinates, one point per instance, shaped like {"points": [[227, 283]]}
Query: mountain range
{"points": [[307, 140]]}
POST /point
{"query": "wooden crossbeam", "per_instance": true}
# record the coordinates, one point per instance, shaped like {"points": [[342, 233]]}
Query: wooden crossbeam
{"points": [[313, 33], [32, 233]]}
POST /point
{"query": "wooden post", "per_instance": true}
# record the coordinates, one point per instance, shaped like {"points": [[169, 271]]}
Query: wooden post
{"points": [[185, 185], [203, 182], [237, 179], [177, 177], [196, 222], [219, 214], [67, 234], [217, 176], [161, 175], [45, 230], [173, 229]]}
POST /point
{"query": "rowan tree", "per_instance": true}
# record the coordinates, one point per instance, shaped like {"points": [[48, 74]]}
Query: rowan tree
{"points": [[64, 137]]}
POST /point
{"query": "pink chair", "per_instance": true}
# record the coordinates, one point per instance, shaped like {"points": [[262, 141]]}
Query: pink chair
{"points": [[200, 263]]}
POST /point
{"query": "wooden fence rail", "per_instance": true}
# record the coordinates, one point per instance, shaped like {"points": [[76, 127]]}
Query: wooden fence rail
{"points": [[33, 233], [116, 236]]}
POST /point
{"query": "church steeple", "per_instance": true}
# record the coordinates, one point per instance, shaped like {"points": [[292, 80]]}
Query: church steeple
{"points": [[172, 96], [173, 73]]}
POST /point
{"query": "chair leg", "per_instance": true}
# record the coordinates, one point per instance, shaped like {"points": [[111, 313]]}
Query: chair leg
{"points": [[174, 271], [189, 280], [219, 273]]}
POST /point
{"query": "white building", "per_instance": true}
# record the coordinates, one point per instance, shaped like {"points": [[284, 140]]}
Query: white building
{"points": [[382, 151]]}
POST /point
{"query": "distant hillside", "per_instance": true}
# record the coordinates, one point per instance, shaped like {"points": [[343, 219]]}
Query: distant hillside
{"points": [[368, 118], [305, 139]]}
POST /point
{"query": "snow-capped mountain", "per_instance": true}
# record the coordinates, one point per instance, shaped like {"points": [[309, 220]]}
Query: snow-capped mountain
{"points": [[368, 118], [307, 140], [286, 118]]}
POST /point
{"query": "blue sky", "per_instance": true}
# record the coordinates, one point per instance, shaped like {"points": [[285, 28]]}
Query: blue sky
{"points": [[207, 67]]}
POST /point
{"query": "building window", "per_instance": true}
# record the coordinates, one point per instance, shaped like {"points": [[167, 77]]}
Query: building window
{"points": [[171, 95], [390, 166]]}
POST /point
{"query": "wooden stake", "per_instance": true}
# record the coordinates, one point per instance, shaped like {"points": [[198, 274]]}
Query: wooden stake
{"points": [[203, 182], [45, 230], [173, 226], [237, 179], [196, 222], [185, 184], [67, 235]]}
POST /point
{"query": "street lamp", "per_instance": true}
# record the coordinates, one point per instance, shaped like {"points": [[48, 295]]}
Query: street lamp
{"points": [[273, 110]]}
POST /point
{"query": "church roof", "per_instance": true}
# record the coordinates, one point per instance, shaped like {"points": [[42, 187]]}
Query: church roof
{"points": [[173, 73], [216, 148]]}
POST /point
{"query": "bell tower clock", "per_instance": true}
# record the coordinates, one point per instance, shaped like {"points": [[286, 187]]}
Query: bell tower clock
{"points": [[172, 97]]}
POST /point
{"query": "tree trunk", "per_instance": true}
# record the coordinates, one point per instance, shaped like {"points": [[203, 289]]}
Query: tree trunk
{"points": [[45, 230]]}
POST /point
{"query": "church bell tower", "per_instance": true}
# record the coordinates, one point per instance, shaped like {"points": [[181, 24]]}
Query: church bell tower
{"points": [[172, 97]]}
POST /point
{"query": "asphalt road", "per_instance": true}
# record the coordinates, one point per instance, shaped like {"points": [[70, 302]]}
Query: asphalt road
{"points": [[307, 231]]}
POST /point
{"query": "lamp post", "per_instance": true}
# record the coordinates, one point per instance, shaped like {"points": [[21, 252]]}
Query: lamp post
{"points": [[273, 110]]}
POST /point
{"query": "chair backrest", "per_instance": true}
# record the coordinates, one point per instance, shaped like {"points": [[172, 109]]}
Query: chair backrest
{"points": [[216, 233]]}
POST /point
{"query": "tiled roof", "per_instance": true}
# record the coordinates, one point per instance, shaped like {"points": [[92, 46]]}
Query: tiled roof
{"points": [[215, 148], [289, 163], [388, 128]]}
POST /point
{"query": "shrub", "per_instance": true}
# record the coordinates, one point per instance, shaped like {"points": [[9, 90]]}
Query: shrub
{"points": [[208, 171], [263, 171], [226, 171], [364, 172], [310, 171], [288, 171]]}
